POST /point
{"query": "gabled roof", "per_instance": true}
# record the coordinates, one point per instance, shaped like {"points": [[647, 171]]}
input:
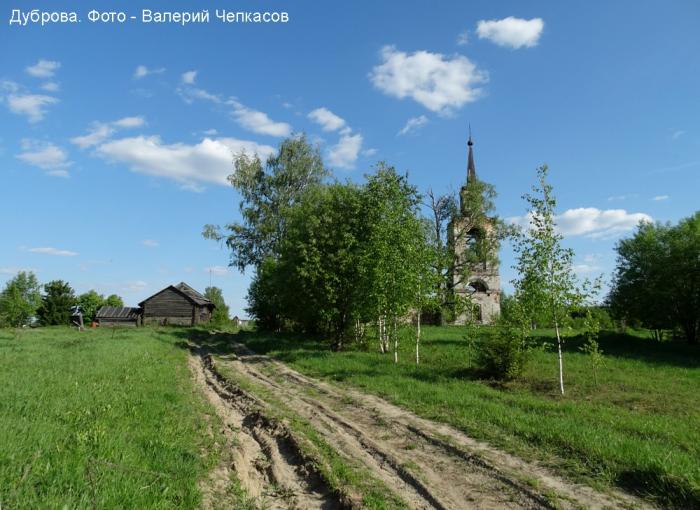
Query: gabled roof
{"points": [[182, 288], [118, 312]]}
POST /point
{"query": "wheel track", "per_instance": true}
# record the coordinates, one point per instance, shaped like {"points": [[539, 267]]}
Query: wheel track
{"points": [[264, 455], [455, 452]]}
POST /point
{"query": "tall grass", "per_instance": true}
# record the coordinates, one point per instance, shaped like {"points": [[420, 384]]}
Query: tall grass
{"points": [[99, 419], [638, 428]]}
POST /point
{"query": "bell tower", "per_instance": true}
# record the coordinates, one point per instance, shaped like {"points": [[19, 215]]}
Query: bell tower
{"points": [[475, 272]]}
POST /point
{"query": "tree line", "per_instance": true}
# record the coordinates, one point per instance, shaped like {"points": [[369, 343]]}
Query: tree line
{"points": [[24, 300]]}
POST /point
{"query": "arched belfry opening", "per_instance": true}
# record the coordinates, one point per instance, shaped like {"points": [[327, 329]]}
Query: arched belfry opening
{"points": [[475, 274]]}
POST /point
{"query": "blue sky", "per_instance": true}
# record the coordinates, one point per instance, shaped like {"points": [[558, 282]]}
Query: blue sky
{"points": [[115, 139]]}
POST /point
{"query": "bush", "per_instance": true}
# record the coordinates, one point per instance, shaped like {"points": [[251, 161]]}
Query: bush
{"points": [[504, 354]]}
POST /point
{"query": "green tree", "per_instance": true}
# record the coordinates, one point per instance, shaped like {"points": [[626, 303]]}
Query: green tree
{"points": [[657, 278], [220, 315], [20, 299], [546, 288], [393, 226], [90, 302], [114, 300], [267, 194], [56, 303]]}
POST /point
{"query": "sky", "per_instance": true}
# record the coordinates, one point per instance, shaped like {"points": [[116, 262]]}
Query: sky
{"points": [[116, 138]]}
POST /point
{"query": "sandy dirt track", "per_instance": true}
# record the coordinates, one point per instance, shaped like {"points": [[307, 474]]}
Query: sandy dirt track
{"points": [[427, 464]]}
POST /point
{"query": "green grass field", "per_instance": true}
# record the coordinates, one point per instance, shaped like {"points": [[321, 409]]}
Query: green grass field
{"points": [[97, 419], [638, 429]]}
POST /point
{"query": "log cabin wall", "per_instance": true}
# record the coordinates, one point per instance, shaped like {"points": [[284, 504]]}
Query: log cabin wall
{"points": [[169, 307]]}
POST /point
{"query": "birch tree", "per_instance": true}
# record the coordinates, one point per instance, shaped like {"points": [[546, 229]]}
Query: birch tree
{"points": [[546, 286]]}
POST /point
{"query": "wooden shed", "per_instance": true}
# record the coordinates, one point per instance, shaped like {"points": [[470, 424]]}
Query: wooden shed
{"points": [[176, 304], [118, 316]]}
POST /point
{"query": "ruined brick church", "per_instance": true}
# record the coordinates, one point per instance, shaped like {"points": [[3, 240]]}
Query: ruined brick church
{"points": [[478, 279]]}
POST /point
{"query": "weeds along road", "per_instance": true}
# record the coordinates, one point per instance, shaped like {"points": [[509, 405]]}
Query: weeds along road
{"points": [[414, 463]]}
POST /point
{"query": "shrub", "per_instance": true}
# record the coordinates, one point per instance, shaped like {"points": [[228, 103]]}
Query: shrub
{"points": [[503, 355]]}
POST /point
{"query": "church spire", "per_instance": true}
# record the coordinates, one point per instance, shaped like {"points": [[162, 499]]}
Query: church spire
{"points": [[471, 167]]}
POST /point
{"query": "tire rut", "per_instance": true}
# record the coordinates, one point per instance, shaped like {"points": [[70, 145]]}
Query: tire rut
{"points": [[264, 455], [437, 465]]}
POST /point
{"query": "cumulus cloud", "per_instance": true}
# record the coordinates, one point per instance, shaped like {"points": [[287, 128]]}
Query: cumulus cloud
{"points": [[46, 156], [33, 106], [258, 122], [511, 32], [328, 120], [150, 243], [49, 250], [101, 131], [592, 222], [143, 71], [50, 86], [190, 165], [43, 68], [413, 124], [441, 84], [344, 153], [189, 77]]}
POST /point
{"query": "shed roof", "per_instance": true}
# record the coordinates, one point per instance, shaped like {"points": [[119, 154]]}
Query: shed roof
{"points": [[182, 288], [118, 312]]}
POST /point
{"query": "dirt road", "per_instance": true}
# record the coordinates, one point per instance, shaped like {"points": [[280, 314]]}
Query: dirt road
{"points": [[428, 465]]}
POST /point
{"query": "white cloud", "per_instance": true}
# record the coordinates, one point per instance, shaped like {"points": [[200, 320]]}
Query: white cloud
{"points": [[129, 122], [46, 156], [252, 120], [258, 122], [101, 131], [413, 124], [50, 86], [344, 153], [190, 165], [43, 68], [143, 71], [189, 77], [590, 264], [677, 134], [369, 152], [32, 105], [48, 250], [511, 32], [150, 243], [463, 38], [619, 198], [328, 120], [217, 270], [441, 84], [592, 222], [210, 132], [659, 198]]}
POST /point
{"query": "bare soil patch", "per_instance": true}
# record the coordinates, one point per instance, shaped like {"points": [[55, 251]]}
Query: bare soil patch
{"points": [[427, 464]]}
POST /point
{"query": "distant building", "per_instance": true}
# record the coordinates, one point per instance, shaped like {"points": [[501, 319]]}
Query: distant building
{"points": [[478, 279], [118, 316], [177, 305]]}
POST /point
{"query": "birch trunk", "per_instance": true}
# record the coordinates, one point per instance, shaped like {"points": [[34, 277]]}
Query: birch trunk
{"points": [[418, 340], [396, 344], [561, 359]]}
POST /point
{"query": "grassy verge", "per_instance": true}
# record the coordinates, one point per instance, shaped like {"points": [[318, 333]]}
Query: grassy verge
{"points": [[637, 428], [100, 419]]}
